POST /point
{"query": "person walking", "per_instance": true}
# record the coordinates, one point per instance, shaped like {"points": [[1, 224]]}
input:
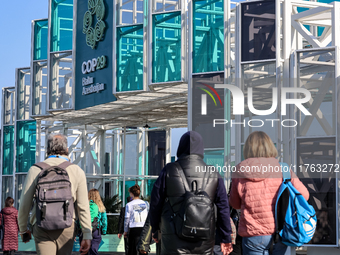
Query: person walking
{"points": [[169, 194], [94, 198], [57, 241], [145, 239], [255, 193], [121, 226], [136, 213], [9, 216]]}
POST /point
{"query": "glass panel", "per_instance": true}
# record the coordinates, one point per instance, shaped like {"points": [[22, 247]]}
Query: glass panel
{"points": [[166, 62], [130, 58], [24, 94], [40, 39], [258, 30], [8, 150], [148, 188], [39, 101], [165, 5], [208, 41], [61, 25], [19, 185], [316, 72], [130, 12], [61, 91], [321, 186], [214, 157], [156, 152], [261, 77], [25, 145], [7, 188], [203, 86], [131, 155], [112, 226], [9, 106]]}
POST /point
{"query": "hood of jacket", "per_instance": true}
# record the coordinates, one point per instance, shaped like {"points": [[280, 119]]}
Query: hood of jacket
{"points": [[257, 169], [191, 143], [8, 210]]}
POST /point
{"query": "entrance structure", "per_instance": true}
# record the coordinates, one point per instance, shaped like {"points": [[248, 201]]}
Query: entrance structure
{"points": [[159, 53]]}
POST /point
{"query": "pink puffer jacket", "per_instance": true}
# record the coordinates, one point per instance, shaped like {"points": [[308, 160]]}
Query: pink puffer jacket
{"points": [[255, 194]]}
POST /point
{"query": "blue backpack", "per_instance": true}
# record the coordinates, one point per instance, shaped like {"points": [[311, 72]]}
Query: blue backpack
{"points": [[295, 219]]}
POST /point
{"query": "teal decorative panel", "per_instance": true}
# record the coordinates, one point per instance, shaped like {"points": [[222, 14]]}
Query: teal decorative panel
{"points": [[8, 150], [25, 145], [208, 39], [61, 25], [129, 58], [40, 39], [166, 57]]}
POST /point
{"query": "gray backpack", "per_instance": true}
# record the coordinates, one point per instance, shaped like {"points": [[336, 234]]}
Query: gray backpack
{"points": [[53, 194]]}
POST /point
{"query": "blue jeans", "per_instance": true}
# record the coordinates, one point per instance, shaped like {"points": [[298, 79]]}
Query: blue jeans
{"points": [[260, 245]]}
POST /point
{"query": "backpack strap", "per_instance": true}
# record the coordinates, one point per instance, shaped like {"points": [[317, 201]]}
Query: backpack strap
{"points": [[182, 175], [65, 165], [42, 165], [285, 171], [205, 180]]}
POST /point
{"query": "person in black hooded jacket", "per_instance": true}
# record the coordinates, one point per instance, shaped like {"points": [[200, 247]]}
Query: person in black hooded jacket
{"points": [[168, 193]]}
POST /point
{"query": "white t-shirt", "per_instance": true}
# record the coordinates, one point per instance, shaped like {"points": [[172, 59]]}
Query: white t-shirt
{"points": [[136, 213]]}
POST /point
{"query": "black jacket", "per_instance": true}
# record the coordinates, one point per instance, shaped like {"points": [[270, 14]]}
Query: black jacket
{"points": [[168, 193], [121, 221]]}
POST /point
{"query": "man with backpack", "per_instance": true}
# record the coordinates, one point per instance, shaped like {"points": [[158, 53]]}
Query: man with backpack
{"points": [[185, 200], [57, 190]]}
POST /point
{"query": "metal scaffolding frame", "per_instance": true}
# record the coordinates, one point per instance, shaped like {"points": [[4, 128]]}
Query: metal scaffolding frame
{"points": [[305, 32]]}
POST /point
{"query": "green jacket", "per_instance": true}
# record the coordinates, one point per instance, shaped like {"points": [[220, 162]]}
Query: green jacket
{"points": [[102, 220], [94, 210]]}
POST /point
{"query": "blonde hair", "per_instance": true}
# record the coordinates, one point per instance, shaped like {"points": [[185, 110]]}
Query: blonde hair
{"points": [[259, 145], [95, 197]]}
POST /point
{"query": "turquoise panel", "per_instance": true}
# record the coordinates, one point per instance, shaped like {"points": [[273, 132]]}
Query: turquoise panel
{"points": [[166, 57], [61, 25], [8, 150], [40, 39], [129, 58], [208, 39], [148, 189], [214, 158], [25, 145]]}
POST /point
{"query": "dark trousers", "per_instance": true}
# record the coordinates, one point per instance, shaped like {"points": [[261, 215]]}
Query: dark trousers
{"points": [[126, 246], [96, 240], [133, 238], [9, 252]]}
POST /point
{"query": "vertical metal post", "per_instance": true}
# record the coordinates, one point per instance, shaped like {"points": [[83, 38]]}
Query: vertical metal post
{"points": [[2, 141], [168, 145], [238, 75], [123, 164], [189, 64], [38, 141], [287, 41], [336, 42]]}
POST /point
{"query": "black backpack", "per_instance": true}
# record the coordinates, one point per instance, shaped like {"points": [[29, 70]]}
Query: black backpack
{"points": [[195, 220], [53, 195]]}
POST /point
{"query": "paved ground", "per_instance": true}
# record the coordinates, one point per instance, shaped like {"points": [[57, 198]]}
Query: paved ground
{"points": [[74, 253]]}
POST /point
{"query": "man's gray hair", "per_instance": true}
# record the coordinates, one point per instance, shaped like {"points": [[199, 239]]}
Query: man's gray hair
{"points": [[57, 145]]}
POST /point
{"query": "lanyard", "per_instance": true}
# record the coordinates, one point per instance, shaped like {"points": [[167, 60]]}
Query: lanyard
{"points": [[57, 156]]}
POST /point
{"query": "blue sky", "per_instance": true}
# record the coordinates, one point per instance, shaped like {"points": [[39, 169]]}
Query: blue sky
{"points": [[15, 38]]}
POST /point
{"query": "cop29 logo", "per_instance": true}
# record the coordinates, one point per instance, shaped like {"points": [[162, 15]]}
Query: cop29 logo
{"points": [[93, 23]]}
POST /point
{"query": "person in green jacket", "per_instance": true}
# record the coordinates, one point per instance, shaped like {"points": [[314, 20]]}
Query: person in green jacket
{"points": [[99, 220]]}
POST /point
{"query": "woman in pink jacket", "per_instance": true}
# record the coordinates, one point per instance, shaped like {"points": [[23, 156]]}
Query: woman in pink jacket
{"points": [[254, 190]]}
